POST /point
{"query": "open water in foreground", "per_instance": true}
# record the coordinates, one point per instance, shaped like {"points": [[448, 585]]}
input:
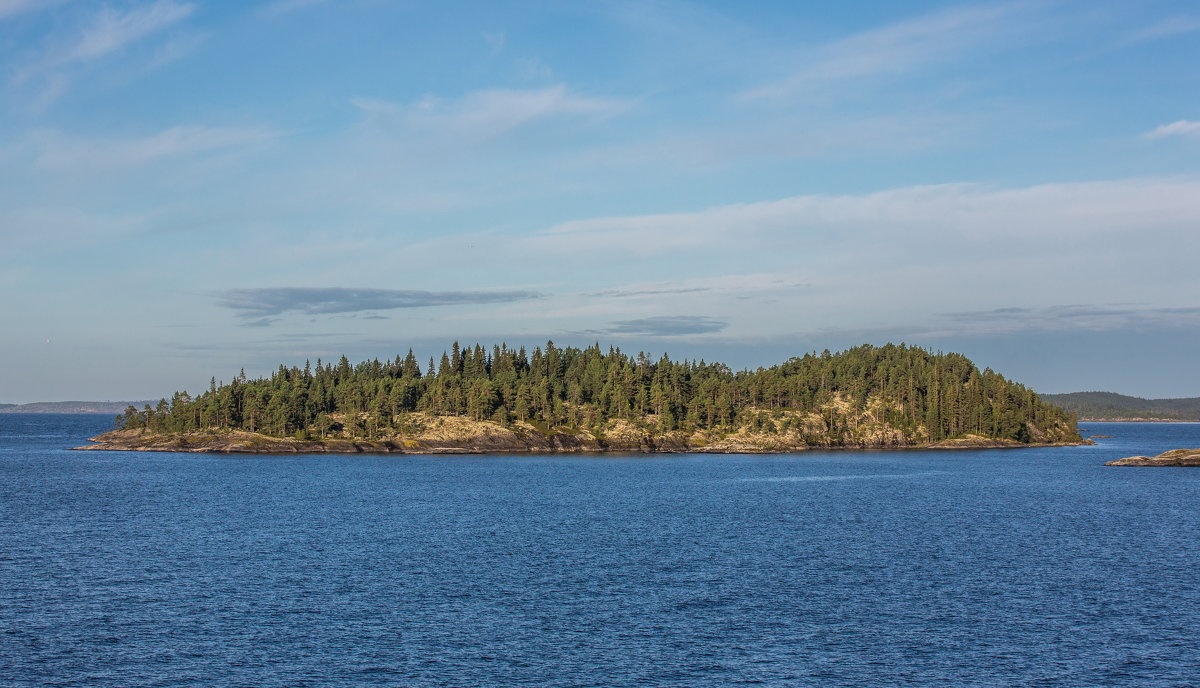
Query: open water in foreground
{"points": [[1036, 567]]}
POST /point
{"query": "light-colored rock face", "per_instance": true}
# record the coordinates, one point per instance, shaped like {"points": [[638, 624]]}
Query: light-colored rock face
{"points": [[772, 431], [1175, 457]]}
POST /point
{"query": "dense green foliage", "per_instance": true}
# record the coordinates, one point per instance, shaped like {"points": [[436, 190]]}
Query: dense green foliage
{"points": [[583, 388], [1108, 406]]}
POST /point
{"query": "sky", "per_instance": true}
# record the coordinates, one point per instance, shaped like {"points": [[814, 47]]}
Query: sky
{"points": [[188, 189]]}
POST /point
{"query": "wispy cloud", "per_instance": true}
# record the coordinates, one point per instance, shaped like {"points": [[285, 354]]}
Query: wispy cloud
{"points": [[1072, 318], [898, 48], [11, 8], [257, 304], [58, 151], [734, 285], [1075, 319], [49, 228], [108, 32], [937, 212], [484, 115], [282, 7], [1183, 127], [495, 41], [1173, 26], [632, 293], [113, 30], [663, 326]]}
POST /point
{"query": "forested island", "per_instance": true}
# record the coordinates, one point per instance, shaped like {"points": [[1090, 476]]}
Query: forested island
{"points": [[590, 399]]}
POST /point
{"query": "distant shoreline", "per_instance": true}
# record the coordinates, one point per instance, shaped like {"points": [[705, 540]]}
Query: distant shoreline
{"points": [[88, 407], [1110, 407]]}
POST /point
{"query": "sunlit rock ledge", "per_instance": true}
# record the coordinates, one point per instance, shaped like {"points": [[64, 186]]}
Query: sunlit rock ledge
{"points": [[456, 435], [1176, 457]]}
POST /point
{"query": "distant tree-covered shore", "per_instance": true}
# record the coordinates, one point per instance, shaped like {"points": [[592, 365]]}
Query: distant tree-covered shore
{"points": [[1111, 406]]}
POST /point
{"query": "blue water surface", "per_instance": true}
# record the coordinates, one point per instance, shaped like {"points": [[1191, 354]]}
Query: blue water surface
{"points": [[1033, 567]]}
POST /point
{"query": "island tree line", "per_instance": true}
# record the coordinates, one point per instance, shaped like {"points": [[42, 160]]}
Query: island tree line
{"points": [[569, 387]]}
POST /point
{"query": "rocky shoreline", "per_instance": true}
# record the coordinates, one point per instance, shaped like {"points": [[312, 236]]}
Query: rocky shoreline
{"points": [[1176, 457], [487, 438]]}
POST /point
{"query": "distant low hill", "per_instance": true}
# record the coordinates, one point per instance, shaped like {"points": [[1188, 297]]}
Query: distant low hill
{"points": [[1111, 406], [113, 407]]}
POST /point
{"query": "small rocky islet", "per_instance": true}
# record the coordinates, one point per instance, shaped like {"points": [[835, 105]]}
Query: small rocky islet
{"points": [[1175, 457]]}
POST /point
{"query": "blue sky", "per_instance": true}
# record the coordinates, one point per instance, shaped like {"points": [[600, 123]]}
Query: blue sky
{"points": [[190, 188]]}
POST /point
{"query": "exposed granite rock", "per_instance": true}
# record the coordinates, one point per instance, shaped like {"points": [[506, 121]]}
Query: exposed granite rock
{"points": [[1176, 457], [457, 435], [978, 442]]}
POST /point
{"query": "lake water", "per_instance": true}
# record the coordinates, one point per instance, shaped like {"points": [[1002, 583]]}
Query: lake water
{"points": [[1036, 567]]}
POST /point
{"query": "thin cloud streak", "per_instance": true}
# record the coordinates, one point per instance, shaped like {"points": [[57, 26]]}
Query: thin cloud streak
{"points": [[109, 32], [1184, 128], [926, 212], [57, 151], [898, 48], [710, 286], [632, 293], [259, 304], [282, 7], [481, 116], [1167, 28], [1072, 319], [662, 326], [112, 30], [11, 8]]}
